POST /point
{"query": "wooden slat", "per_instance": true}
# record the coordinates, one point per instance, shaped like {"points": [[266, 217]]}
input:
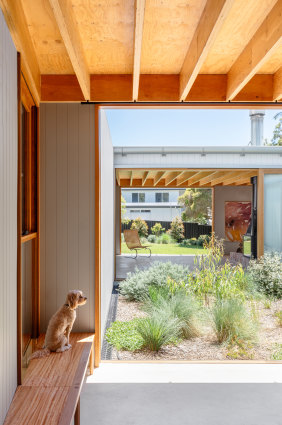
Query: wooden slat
{"points": [[277, 85], [28, 237], [197, 177], [211, 21], [145, 177], [172, 177], [65, 19], [16, 21], [185, 177], [213, 175], [138, 35], [131, 177], [239, 177], [259, 49], [159, 175], [223, 177]]}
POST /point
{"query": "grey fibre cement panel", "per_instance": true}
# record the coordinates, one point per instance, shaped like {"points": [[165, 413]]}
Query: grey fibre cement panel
{"points": [[173, 404]]}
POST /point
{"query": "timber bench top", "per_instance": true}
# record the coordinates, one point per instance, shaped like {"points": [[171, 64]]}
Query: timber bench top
{"points": [[52, 385]]}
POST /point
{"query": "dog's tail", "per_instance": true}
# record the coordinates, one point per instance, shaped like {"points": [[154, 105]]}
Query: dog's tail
{"points": [[39, 354]]}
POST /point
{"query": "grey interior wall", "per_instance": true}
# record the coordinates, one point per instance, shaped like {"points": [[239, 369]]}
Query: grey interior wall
{"points": [[8, 218], [67, 209], [221, 195], [117, 217], [107, 217], [26, 288]]}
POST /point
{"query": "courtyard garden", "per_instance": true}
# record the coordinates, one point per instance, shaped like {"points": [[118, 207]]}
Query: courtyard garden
{"points": [[170, 242], [217, 311]]}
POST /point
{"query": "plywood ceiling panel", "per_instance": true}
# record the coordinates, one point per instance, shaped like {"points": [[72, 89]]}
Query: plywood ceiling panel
{"points": [[168, 29], [49, 47], [106, 29], [244, 19]]}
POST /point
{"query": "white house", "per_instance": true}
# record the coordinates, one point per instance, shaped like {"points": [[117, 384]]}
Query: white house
{"points": [[152, 204]]}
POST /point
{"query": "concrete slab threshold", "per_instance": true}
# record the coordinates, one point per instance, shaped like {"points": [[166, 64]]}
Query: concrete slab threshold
{"points": [[172, 394]]}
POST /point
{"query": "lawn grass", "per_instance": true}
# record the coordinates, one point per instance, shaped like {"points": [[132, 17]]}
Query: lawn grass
{"points": [[169, 249]]}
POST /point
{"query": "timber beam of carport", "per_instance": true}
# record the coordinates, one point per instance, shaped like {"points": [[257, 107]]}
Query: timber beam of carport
{"points": [[183, 178]]}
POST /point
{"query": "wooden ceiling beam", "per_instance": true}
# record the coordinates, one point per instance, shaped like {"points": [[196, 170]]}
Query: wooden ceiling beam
{"points": [[186, 177], [159, 176], [17, 24], [138, 36], [226, 175], [210, 177], [211, 21], [67, 25], [277, 84], [172, 177], [259, 49], [145, 177], [197, 177], [240, 176], [118, 177], [131, 177]]}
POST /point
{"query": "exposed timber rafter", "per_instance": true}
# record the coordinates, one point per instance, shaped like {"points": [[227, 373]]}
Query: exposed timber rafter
{"points": [[16, 21], [259, 49], [211, 21], [197, 177], [185, 177], [159, 176], [240, 177], [138, 36], [173, 176], [131, 177], [277, 85], [210, 177], [63, 13], [145, 177]]}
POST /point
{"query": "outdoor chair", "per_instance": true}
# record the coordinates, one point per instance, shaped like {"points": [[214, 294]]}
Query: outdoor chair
{"points": [[132, 241]]}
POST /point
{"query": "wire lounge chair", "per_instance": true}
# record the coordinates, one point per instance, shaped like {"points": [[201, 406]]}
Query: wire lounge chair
{"points": [[132, 241]]}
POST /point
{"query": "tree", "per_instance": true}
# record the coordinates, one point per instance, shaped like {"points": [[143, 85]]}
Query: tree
{"points": [[277, 133], [141, 226], [176, 230], [123, 207], [157, 229], [196, 204]]}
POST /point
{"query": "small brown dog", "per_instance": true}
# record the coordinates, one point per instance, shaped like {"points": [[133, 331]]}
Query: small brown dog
{"points": [[60, 326]]}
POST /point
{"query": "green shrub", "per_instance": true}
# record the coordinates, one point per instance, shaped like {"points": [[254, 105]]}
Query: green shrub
{"points": [[141, 226], [124, 335], [203, 239], [233, 323], [157, 229], [164, 239], [152, 238], [136, 286], [278, 316], [176, 230], [277, 354], [158, 330], [185, 243], [266, 273]]}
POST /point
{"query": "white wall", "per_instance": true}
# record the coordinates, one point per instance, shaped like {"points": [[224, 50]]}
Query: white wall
{"points": [[67, 209], [221, 195], [107, 217], [8, 218]]}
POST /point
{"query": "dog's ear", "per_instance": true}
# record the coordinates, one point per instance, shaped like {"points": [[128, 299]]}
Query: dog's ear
{"points": [[72, 299]]}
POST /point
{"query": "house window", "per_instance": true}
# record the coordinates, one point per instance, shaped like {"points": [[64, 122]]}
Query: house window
{"points": [[138, 197], [162, 197], [145, 211]]}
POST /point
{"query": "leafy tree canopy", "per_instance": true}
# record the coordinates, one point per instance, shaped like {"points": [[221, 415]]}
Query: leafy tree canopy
{"points": [[197, 204]]}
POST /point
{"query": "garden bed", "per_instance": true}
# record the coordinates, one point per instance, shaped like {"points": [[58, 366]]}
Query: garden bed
{"points": [[206, 347]]}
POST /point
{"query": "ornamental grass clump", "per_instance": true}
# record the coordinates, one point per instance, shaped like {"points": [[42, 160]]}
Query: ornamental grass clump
{"points": [[137, 284], [266, 273], [178, 305], [158, 330], [233, 323]]}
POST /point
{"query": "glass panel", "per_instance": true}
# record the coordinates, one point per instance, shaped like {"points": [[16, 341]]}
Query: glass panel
{"points": [[272, 212], [165, 197], [141, 197], [134, 197], [158, 197]]}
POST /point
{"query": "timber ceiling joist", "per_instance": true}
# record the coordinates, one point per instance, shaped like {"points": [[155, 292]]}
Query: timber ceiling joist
{"points": [[149, 50], [182, 178]]}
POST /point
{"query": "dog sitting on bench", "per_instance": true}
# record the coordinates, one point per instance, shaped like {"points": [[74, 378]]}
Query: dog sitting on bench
{"points": [[60, 326]]}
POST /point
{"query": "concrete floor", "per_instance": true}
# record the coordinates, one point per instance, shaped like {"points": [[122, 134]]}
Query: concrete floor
{"points": [[125, 265], [111, 396]]}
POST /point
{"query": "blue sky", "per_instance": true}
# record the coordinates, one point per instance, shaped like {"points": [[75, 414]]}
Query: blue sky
{"points": [[184, 127]]}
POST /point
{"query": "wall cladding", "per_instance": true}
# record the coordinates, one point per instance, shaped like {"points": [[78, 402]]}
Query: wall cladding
{"points": [[67, 209], [8, 218]]}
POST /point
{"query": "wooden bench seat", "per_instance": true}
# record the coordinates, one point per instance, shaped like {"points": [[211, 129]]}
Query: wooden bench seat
{"points": [[52, 385]]}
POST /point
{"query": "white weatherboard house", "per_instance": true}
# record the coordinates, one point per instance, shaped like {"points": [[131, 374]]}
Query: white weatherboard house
{"points": [[152, 204]]}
